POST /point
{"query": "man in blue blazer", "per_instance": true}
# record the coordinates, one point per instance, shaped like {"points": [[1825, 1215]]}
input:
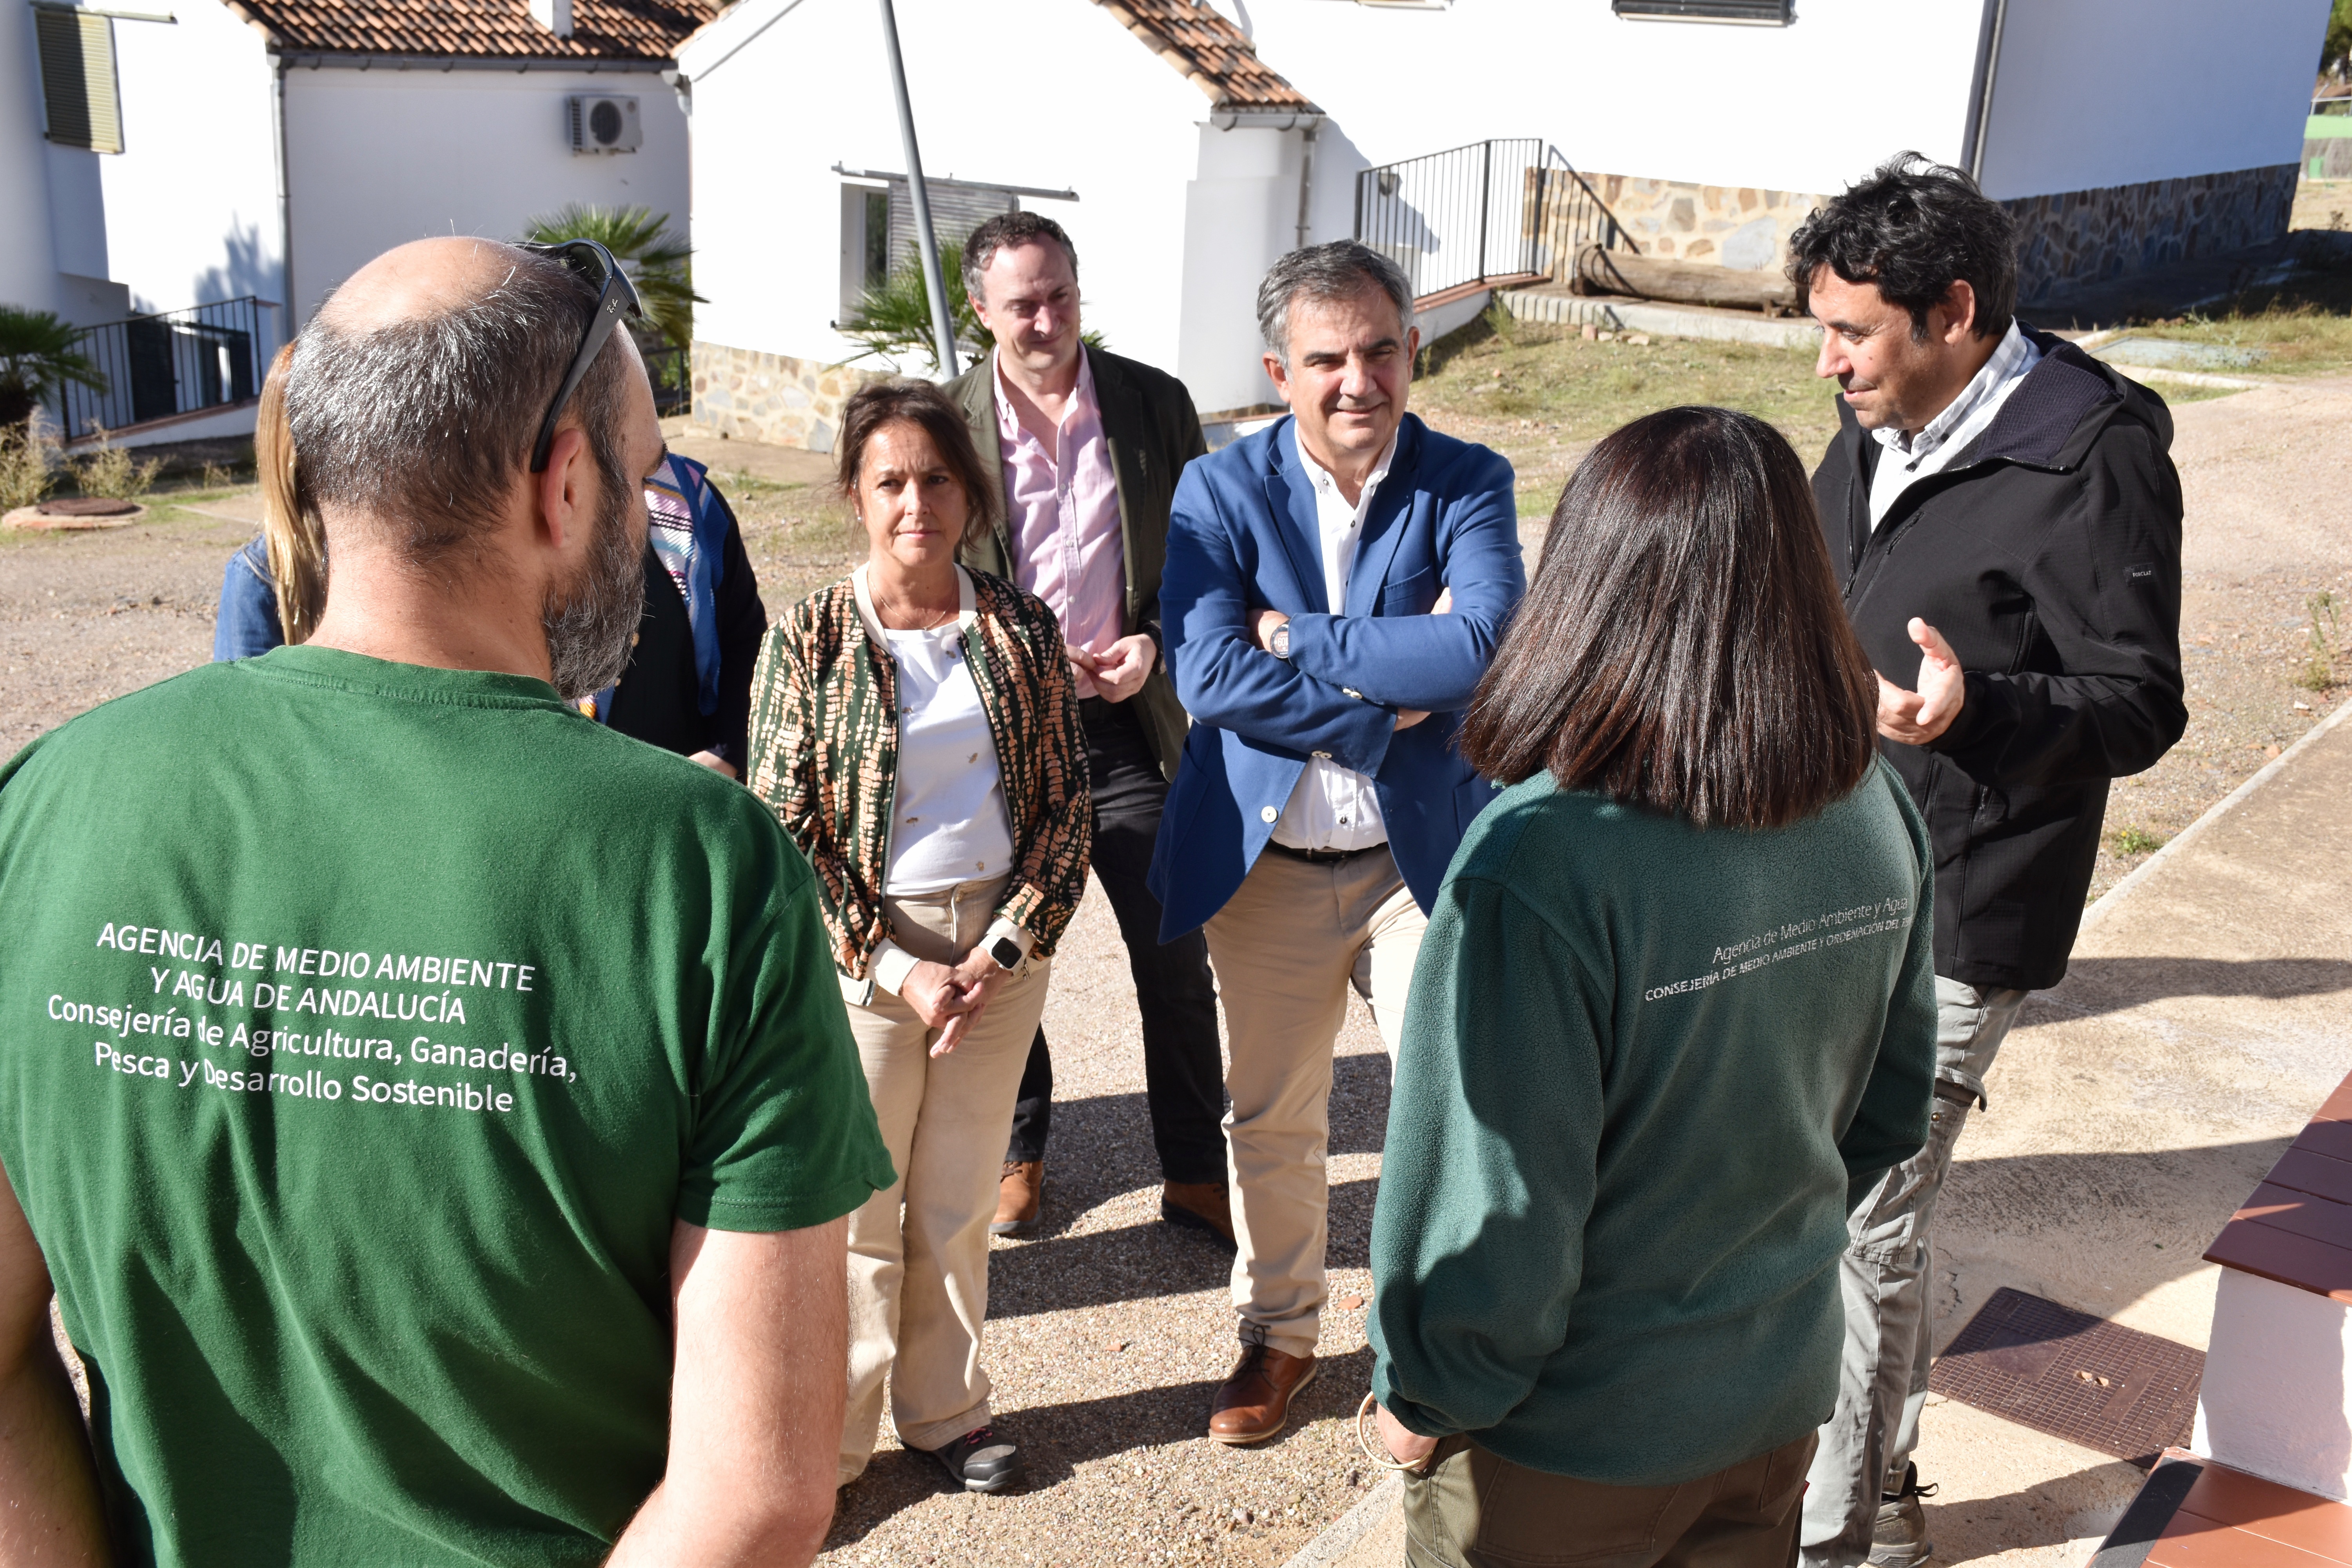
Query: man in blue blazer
{"points": [[1335, 587]]}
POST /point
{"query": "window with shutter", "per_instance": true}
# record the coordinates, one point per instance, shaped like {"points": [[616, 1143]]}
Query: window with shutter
{"points": [[81, 104]]}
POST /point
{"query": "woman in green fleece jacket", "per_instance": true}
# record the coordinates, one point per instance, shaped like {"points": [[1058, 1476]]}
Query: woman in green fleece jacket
{"points": [[1674, 1005]]}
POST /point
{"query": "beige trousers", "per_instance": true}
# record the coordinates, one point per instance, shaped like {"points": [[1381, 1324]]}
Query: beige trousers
{"points": [[918, 1251], [1287, 949]]}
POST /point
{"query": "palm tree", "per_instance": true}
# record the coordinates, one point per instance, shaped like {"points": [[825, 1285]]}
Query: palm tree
{"points": [[37, 357], [640, 240], [893, 318]]}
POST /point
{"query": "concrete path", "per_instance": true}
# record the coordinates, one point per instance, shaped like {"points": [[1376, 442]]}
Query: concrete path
{"points": [[2136, 1105]]}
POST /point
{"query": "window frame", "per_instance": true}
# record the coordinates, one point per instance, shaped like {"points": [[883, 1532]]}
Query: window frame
{"points": [[1734, 13]]}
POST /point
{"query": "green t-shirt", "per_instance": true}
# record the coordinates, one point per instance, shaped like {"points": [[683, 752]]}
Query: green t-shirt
{"points": [[368, 1027]]}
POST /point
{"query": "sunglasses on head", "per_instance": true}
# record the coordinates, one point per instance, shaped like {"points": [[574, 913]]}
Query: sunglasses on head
{"points": [[614, 294]]}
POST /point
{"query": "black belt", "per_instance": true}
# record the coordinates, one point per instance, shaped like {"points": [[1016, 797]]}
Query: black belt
{"points": [[1321, 857]]}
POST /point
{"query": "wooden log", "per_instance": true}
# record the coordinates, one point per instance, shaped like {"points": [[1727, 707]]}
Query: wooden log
{"points": [[1598, 272]]}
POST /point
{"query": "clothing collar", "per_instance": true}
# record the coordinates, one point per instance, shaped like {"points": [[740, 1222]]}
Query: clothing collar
{"points": [[1008, 422], [966, 603], [1320, 478], [2011, 358]]}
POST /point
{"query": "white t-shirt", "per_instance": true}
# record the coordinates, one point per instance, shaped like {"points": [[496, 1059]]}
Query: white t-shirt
{"points": [[949, 821], [1333, 806]]}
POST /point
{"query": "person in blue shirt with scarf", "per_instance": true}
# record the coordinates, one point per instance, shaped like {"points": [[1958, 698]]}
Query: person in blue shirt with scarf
{"points": [[689, 685]]}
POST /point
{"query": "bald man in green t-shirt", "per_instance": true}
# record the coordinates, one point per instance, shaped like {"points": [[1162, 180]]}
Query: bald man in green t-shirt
{"points": [[433, 1111]]}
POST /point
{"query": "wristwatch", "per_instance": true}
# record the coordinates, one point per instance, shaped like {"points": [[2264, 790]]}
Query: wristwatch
{"points": [[1279, 643], [1006, 952]]}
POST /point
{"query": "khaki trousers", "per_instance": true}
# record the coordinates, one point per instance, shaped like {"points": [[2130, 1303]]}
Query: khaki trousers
{"points": [[1287, 949], [918, 1251], [1476, 1510]]}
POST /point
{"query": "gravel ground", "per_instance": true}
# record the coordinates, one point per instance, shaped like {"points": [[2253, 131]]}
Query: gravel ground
{"points": [[1110, 1330]]}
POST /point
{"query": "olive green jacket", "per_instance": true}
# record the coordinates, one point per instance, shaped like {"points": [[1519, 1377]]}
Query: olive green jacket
{"points": [[1153, 431]]}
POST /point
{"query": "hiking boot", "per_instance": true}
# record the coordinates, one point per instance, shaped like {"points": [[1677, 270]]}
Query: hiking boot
{"points": [[1900, 1538], [1020, 1193], [1204, 1206]]}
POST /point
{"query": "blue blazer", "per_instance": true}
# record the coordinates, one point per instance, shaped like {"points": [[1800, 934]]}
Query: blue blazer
{"points": [[1242, 537]]}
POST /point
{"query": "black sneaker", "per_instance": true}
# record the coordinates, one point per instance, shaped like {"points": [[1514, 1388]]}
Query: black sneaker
{"points": [[981, 1460], [1900, 1540]]}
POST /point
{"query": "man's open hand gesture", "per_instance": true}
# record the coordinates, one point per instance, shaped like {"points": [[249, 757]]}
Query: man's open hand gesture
{"points": [[1916, 717]]}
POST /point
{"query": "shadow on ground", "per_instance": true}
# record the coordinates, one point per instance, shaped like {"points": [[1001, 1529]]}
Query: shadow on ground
{"points": [[1147, 1418], [2097, 985], [2066, 1508]]}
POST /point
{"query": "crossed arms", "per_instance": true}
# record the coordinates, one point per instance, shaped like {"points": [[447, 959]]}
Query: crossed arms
{"points": [[1347, 677]]}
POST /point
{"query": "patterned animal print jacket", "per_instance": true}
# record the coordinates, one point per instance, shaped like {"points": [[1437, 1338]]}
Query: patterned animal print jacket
{"points": [[824, 758]]}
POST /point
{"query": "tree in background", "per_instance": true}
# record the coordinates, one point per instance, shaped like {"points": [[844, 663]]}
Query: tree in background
{"points": [[639, 239], [2335, 54], [37, 358]]}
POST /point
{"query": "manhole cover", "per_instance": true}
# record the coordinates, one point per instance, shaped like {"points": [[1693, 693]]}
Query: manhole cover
{"points": [[87, 506], [2075, 1377]]}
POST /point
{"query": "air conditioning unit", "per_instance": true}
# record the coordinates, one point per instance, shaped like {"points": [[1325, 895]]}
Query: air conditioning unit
{"points": [[602, 124]]}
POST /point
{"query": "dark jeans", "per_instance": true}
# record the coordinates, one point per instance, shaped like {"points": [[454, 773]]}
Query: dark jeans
{"points": [[1183, 1073]]}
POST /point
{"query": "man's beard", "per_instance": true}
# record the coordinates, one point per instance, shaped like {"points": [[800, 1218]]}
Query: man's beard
{"points": [[592, 622]]}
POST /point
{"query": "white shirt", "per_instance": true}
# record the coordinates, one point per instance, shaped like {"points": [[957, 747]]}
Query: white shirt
{"points": [[1910, 458], [1333, 806], [949, 821]]}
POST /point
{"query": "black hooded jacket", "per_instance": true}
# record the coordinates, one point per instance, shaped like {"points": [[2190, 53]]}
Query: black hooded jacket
{"points": [[2048, 553]]}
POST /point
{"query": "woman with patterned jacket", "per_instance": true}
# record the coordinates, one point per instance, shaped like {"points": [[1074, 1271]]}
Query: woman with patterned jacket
{"points": [[914, 728]]}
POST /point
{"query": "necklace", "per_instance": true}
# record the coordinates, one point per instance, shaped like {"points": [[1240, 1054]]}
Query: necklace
{"points": [[927, 620]]}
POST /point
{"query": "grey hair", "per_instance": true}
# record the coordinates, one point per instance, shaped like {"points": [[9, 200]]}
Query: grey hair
{"points": [[423, 426], [1338, 270]]}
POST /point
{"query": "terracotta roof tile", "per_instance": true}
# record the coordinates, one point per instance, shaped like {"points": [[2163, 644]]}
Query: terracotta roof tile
{"points": [[487, 29], [1210, 52]]}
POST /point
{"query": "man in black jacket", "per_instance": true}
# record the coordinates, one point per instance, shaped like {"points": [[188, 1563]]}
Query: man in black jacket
{"points": [[1085, 448], [2006, 523]]}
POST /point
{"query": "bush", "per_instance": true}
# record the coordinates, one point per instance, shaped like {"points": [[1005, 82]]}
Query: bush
{"points": [[112, 472], [28, 456]]}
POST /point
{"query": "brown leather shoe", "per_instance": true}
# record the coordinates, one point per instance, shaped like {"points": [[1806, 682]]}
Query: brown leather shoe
{"points": [[1198, 1206], [1020, 1191], [1254, 1402]]}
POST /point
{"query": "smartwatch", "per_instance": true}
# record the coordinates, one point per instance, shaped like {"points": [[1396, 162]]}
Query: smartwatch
{"points": [[1279, 643], [1007, 954]]}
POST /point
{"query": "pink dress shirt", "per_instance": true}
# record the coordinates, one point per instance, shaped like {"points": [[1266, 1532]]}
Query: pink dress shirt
{"points": [[1062, 517]]}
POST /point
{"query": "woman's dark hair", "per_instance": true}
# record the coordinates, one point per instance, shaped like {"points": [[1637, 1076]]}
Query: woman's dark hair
{"points": [[1684, 647], [1914, 228], [924, 406]]}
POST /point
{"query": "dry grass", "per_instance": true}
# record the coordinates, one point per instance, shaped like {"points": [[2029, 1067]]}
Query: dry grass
{"points": [[1541, 394]]}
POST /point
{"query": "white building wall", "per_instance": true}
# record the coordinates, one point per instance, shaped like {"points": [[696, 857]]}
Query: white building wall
{"points": [[28, 268], [1704, 103], [383, 156], [773, 113], [1239, 214], [2093, 93], [190, 202]]}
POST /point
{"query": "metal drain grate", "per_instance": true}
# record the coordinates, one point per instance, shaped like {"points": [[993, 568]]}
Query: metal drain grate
{"points": [[2073, 1376]]}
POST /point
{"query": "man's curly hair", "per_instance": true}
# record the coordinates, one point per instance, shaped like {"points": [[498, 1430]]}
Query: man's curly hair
{"points": [[1914, 229]]}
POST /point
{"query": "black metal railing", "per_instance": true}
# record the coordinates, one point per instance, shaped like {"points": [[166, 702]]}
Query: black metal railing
{"points": [[1500, 208], [671, 370], [176, 362]]}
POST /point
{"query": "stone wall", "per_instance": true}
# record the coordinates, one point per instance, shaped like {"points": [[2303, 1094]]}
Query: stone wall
{"points": [[1743, 227], [2079, 237], [2069, 239], [747, 395]]}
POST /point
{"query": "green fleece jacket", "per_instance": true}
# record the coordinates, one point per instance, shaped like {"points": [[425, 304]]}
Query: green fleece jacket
{"points": [[1644, 1067]]}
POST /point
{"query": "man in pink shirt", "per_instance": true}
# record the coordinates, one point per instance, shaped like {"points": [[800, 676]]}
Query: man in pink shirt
{"points": [[1086, 448]]}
